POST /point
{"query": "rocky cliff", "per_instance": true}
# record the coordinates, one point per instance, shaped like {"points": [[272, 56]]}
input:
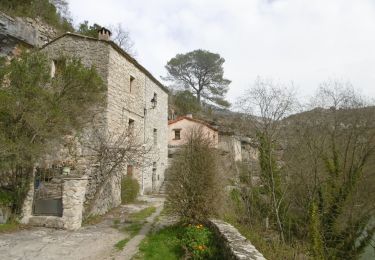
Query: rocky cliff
{"points": [[16, 32]]}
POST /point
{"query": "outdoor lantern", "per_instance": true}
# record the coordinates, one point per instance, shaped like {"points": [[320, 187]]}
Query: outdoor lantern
{"points": [[154, 101]]}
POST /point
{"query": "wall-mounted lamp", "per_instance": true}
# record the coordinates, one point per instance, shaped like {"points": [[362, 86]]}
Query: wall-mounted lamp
{"points": [[154, 100]]}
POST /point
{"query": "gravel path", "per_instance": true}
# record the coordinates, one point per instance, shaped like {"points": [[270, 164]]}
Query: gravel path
{"points": [[94, 242], [131, 248]]}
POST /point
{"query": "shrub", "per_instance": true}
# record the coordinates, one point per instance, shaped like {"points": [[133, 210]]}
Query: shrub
{"points": [[129, 189], [36, 111], [194, 190], [180, 242], [197, 241]]}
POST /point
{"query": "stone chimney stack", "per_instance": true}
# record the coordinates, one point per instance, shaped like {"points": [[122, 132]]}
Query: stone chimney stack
{"points": [[104, 34], [189, 115]]}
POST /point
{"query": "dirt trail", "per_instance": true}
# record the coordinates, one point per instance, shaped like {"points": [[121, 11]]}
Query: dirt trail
{"points": [[94, 242]]}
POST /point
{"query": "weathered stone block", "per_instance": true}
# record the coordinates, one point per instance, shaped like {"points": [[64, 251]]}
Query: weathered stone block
{"points": [[236, 245]]}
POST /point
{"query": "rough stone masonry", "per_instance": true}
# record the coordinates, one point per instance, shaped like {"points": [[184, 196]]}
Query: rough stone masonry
{"points": [[130, 97]]}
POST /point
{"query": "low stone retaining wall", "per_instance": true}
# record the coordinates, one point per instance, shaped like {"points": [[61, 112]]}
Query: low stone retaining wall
{"points": [[236, 245], [74, 189]]}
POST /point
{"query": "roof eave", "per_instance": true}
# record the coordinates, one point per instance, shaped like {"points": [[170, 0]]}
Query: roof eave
{"points": [[119, 50]]}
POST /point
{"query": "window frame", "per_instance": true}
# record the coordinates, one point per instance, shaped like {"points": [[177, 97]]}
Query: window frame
{"points": [[155, 136], [131, 84], [175, 134], [131, 126]]}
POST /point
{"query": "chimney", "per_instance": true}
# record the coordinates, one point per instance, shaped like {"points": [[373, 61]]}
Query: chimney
{"points": [[104, 34], [189, 115]]}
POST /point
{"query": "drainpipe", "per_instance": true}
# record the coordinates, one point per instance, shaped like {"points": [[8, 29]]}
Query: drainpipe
{"points": [[144, 131]]}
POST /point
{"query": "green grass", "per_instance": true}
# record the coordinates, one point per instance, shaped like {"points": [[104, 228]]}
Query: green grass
{"points": [[9, 227], [136, 223], [164, 244], [122, 243], [143, 214], [168, 244], [269, 247], [133, 229]]}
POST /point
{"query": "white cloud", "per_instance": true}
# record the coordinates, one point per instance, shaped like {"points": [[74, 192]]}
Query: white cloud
{"points": [[302, 41]]}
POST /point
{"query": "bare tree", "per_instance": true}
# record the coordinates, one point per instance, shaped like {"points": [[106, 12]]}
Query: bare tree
{"points": [[335, 94], [122, 38], [265, 104], [330, 163], [112, 152], [195, 187]]}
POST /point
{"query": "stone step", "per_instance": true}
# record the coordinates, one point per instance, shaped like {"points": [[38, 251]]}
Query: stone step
{"points": [[163, 187]]}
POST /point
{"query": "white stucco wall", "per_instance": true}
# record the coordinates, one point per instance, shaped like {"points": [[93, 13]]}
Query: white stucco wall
{"points": [[185, 125]]}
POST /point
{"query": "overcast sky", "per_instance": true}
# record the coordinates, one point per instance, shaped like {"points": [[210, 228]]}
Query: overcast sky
{"points": [[304, 41]]}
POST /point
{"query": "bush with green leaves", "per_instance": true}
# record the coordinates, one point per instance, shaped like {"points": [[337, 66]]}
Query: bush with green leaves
{"points": [[37, 111], [129, 189], [197, 240]]}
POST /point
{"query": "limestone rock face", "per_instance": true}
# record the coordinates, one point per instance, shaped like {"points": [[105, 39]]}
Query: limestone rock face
{"points": [[22, 32]]}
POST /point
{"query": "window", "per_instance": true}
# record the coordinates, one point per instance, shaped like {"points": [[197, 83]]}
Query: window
{"points": [[129, 171], [131, 85], [177, 134], [56, 67], [131, 126], [155, 136], [154, 171]]}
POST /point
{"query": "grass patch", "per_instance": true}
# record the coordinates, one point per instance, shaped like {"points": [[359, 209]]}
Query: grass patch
{"points": [[116, 223], [133, 229], [143, 214], [9, 227], [121, 244], [136, 223], [269, 247], [164, 244], [170, 243]]}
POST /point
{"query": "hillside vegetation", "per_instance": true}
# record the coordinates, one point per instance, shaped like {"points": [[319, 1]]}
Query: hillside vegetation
{"points": [[53, 13]]}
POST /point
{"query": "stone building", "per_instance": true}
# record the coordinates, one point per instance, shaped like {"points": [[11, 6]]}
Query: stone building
{"points": [[134, 100], [179, 127]]}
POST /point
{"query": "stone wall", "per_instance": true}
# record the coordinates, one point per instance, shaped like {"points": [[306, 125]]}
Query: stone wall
{"points": [[156, 118], [95, 54], [74, 190], [129, 98], [129, 93], [235, 245]]}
